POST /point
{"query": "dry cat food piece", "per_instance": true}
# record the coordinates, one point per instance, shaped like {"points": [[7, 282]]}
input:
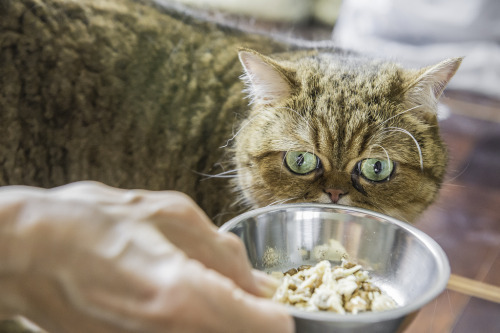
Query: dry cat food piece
{"points": [[343, 289]]}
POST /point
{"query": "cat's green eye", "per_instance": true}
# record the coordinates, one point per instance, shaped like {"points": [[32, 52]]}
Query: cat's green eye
{"points": [[375, 169], [301, 162]]}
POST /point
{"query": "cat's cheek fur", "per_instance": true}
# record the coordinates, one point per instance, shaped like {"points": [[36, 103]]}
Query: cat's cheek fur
{"points": [[251, 181], [242, 184], [405, 196]]}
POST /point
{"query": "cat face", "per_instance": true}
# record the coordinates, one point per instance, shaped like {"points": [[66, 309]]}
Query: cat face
{"points": [[329, 128]]}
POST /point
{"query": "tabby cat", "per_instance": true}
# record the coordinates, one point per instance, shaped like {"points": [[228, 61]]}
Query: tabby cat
{"points": [[140, 95]]}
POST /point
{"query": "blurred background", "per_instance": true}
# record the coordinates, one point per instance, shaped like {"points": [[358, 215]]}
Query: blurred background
{"points": [[465, 220]]}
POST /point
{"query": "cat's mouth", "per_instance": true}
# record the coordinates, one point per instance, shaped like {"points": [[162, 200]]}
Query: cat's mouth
{"points": [[325, 198], [343, 199]]}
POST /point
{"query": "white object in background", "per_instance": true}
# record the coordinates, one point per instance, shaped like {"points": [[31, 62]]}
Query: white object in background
{"points": [[325, 11], [424, 32]]}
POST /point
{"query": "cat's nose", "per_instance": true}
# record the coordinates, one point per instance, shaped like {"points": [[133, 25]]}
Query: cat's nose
{"points": [[335, 194]]}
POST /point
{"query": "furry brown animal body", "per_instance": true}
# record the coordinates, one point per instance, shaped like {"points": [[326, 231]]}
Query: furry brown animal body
{"points": [[120, 92], [141, 96]]}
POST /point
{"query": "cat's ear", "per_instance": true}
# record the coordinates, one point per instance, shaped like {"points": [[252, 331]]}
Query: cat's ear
{"points": [[267, 82], [430, 84]]}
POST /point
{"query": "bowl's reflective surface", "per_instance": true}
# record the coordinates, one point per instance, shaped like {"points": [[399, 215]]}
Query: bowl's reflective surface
{"points": [[403, 262]]}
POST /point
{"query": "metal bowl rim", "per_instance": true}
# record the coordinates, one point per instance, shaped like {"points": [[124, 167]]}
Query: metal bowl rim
{"points": [[442, 277]]}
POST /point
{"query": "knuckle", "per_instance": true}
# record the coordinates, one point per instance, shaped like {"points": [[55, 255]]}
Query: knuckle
{"points": [[182, 205], [182, 199], [180, 297], [179, 292], [171, 205], [234, 244]]}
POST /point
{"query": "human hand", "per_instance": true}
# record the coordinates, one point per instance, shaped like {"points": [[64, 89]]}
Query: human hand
{"points": [[89, 258]]}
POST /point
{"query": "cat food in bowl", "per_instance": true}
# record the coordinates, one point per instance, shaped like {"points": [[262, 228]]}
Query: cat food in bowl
{"points": [[401, 263], [346, 288]]}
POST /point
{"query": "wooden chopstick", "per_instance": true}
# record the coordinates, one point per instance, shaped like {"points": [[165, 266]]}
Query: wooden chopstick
{"points": [[474, 288]]}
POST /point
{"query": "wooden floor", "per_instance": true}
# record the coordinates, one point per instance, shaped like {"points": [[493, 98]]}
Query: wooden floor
{"points": [[465, 220]]}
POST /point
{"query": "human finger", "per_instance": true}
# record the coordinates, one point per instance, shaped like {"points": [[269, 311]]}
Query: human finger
{"points": [[207, 301], [185, 225]]}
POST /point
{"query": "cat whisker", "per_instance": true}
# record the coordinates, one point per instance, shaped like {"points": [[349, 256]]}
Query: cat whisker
{"points": [[400, 113], [377, 135], [229, 171], [279, 202], [460, 173], [248, 189], [398, 129], [298, 114], [387, 132], [385, 151], [245, 124], [217, 176], [225, 174], [240, 201]]}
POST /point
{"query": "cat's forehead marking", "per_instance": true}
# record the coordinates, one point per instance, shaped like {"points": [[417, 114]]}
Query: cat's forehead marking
{"points": [[368, 81], [337, 109], [345, 100]]}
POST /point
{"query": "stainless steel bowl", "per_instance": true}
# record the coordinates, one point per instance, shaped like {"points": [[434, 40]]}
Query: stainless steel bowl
{"points": [[404, 262]]}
